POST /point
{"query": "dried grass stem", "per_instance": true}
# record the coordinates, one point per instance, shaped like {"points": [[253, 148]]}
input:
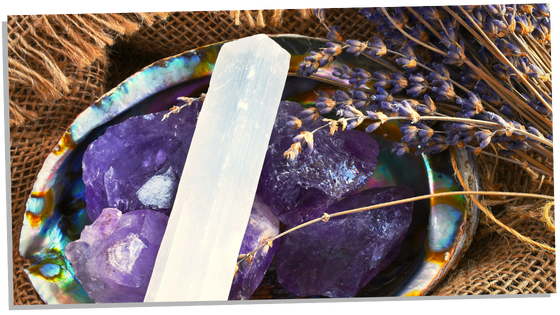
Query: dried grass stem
{"points": [[392, 203]]}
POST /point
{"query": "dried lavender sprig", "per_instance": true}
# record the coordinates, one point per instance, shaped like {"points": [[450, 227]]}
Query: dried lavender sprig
{"points": [[344, 99], [431, 143], [425, 23], [501, 96], [325, 218], [353, 118], [498, 53], [188, 102], [465, 60], [436, 72], [446, 118], [521, 26]]}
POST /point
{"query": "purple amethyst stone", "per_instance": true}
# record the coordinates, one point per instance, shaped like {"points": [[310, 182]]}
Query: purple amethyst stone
{"points": [[339, 165], [262, 226], [339, 257], [115, 256], [137, 164]]}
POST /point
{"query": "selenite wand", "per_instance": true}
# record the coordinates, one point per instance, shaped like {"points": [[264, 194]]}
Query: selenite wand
{"points": [[198, 254]]}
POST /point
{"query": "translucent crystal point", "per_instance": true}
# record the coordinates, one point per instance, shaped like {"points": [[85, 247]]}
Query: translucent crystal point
{"points": [[219, 180]]}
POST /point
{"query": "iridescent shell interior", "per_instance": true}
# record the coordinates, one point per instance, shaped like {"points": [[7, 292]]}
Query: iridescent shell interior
{"points": [[441, 230]]}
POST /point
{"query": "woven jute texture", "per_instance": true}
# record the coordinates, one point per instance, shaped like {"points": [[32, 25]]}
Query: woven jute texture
{"points": [[39, 114]]}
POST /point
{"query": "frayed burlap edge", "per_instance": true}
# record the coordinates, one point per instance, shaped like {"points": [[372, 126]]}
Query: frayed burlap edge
{"points": [[38, 45]]}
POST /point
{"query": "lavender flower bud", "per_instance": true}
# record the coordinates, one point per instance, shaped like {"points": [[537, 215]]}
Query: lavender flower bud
{"points": [[438, 148], [376, 18], [381, 96], [408, 129], [342, 97], [359, 77], [445, 90], [377, 116], [325, 103], [334, 34], [294, 122], [424, 110], [430, 13], [344, 73], [484, 137], [400, 149], [442, 69], [405, 109], [453, 139], [497, 119], [356, 46], [407, 138], [455, 54], [467, 136], [372, 127], [416, 90], [377, 48], [501, 139], [517, 145], [332, 50], [498, 10], [320, 14], [535, 131], [541, 10], [360, 99], [437, 138], [502, 72], [407, 63], [435, 77], [389, 106]]}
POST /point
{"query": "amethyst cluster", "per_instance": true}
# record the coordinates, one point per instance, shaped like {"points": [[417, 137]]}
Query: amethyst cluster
{"points": [[137, 164], [296, 191], [132, 173], [115, 256], [339, 257]]}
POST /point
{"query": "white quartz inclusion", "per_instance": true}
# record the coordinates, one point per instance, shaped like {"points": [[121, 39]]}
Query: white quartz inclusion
{"points": [[123, 254], [157, 190]]}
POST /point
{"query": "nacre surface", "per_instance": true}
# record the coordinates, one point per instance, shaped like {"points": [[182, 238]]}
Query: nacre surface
{"points": [[56, 210]]}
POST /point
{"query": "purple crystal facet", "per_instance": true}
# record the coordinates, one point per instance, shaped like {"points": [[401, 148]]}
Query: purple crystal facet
{"points": [[115, 256], [137, 164], [339, 257], [338, 166], [262, 226]]}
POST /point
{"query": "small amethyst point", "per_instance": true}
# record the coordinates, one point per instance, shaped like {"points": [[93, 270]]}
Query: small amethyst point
{"points": [[339, 257], [115, 256], [262, 226]]}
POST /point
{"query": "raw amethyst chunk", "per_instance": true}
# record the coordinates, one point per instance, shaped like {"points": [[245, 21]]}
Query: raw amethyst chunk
{"points": [[262, 225], [339, 257], [338, 166], [115, 256], [137, 164]]}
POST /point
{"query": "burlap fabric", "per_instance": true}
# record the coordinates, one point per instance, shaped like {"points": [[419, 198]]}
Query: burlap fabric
{"points": [[123, 44]]}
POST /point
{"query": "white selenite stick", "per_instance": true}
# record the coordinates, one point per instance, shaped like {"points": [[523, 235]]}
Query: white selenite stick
{"points": [[197, 257]]}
